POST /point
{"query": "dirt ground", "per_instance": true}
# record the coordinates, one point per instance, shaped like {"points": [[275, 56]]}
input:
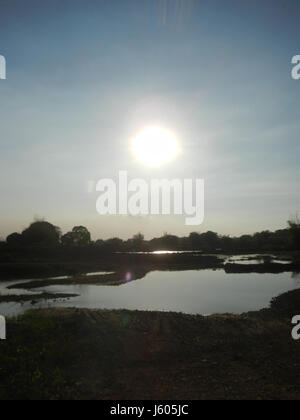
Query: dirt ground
{"points": [[98, 354]]}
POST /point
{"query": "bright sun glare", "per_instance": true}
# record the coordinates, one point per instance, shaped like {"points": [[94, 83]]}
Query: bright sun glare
{"points": [[155, 146]]}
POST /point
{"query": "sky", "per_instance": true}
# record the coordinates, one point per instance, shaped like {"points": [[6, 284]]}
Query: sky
{"points": [[85, 76]]}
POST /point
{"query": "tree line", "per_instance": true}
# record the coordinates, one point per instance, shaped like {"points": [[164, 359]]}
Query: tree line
{"points": [[42, 235]]}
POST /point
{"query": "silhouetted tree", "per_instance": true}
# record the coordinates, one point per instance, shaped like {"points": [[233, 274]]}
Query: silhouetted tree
{"points": [[226, 244], [195, 241], [245, 243], [295, 232], [170, 242], [114, 244], [14, 240], [41, 233], [67, 239], [81, 236], [210, 241], [137, 243]]}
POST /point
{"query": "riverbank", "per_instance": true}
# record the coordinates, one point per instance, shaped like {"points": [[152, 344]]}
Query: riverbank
{"points": [[109, 263], [118, 269], [35, 298], [152, 355]]}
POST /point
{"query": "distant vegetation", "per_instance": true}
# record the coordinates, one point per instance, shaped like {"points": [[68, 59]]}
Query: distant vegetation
{"points": [[44, 239], [295, 232]]}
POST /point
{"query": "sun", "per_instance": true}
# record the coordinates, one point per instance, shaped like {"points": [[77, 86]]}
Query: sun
{"points": [[155, 146]]}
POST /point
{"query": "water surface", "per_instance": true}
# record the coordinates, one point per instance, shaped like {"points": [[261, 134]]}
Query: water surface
{"points": [[194, 292]]}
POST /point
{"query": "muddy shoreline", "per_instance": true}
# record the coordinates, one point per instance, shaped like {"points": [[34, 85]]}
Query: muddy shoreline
{"points": [[139, 263], [152, 355], [110, 263], [35, 298]]}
